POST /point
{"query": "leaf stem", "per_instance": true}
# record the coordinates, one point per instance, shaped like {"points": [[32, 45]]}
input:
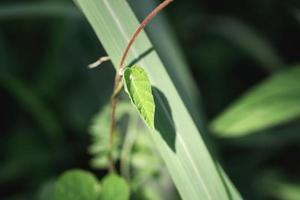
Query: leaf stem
{"points": [[118, 77]]}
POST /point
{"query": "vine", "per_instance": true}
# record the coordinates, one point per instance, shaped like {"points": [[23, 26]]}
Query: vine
{"points": [[118, 85]]}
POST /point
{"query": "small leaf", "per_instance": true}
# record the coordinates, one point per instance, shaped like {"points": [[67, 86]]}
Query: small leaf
{"points": [[273, 102], [138, 87], [77, 185], [114, 188]]}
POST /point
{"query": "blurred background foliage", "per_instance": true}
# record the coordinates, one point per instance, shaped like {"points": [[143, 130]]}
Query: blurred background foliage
{"points": [[50, 100]]}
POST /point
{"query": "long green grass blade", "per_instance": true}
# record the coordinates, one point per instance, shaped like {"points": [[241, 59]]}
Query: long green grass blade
{"points": [[274, 101], [32, 104], [176, 136], [34, 10]]}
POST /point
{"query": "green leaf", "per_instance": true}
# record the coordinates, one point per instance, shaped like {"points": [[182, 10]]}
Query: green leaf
{"points": [[114, 188], [280, 186], [273, 102], [286, 190], [76, 185], [34, 105], [138, 87], [176, 136], [99, 130], [37, 10], [46, 191]]}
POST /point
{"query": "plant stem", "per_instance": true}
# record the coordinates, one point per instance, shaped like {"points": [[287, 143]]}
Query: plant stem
{"points": [[118, 77], [141, 27]]}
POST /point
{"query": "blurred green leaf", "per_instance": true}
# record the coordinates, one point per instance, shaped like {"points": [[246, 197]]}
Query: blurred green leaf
{"points": [[76, 185], [100, 148], [144, 160], [249, 40], [275, 138], [99, 130], [46, 191], [286, 191], [297, 14], [114, 187], [32, 103], [34, 10], [142, 166], [281, 186], [24, 151], [149, 175], [138, 87], [274, 101]]}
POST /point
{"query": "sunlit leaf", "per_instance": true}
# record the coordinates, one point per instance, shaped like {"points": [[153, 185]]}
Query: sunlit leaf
{"points": [[273, 102], [138, 87]]}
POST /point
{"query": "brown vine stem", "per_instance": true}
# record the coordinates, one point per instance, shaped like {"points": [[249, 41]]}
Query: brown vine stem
{"points": [[118, 78]]}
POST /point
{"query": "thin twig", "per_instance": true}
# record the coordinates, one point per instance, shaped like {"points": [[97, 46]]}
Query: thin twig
{"points": [[118, 76], [98, 62]]}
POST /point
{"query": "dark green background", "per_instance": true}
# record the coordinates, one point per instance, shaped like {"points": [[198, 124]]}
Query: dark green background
{"points": [[48, 95]]}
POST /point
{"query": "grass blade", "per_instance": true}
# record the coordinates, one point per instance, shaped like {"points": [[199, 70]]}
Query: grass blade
{"points": [[32, 103], [176, 136], [274, 101], [33, 10]]}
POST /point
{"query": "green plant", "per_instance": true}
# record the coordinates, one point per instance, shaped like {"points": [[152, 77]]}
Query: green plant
{"points": [[273, 102], [242, 76], [175, 135], [79, 185]]}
